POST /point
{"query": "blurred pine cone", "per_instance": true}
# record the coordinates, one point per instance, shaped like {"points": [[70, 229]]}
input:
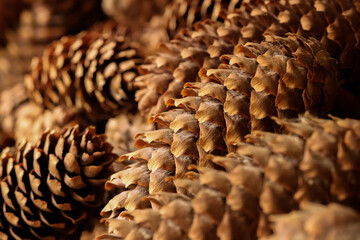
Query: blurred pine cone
{"points": [[90, 71], [23, 119], [47, 191], [133, 13], [41, 23], [312, 160], [318, 222]]}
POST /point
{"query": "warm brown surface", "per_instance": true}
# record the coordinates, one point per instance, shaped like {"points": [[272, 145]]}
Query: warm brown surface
{"points": [[313, 160]]}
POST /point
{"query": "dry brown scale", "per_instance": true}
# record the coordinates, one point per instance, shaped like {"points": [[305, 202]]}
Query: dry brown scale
{"points": [[90, 71], [179, 61], [311, 160], [319, 19], [48, 191], [335, 23], [238, 97]]}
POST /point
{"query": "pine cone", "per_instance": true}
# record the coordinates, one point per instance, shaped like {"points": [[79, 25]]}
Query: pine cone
{"points": [[233, 100], [49, 190], [90, 71], [318, 222], [23, 119], [250, 21], [312, 160]]}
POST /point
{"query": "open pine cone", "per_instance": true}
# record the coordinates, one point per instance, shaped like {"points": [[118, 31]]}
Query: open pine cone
{"points": [[213, 116], [47, 191], [91, 71], [312, 160], [164, 73]]}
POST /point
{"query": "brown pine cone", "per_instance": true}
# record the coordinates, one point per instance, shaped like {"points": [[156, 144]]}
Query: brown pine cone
{"points": [[165, 70], [318, 222], [312, 160], [213, 116], [47, 191], [334, 23], [91, 71]]}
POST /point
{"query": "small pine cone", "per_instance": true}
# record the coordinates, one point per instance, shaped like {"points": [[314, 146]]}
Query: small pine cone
{"points": [[240, 96], [49, 190], [121, 131], [318, 222], [91, 71], [311, 160]]}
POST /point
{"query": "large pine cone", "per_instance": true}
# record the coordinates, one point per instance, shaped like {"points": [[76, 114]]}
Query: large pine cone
{"points": [[312, 160], [47, 191], [318, 222], [180, 58], [233, 100], [91, 71]]}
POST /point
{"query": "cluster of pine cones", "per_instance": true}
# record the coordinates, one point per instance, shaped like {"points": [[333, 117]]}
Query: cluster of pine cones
{"points": [[180, 119]]}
